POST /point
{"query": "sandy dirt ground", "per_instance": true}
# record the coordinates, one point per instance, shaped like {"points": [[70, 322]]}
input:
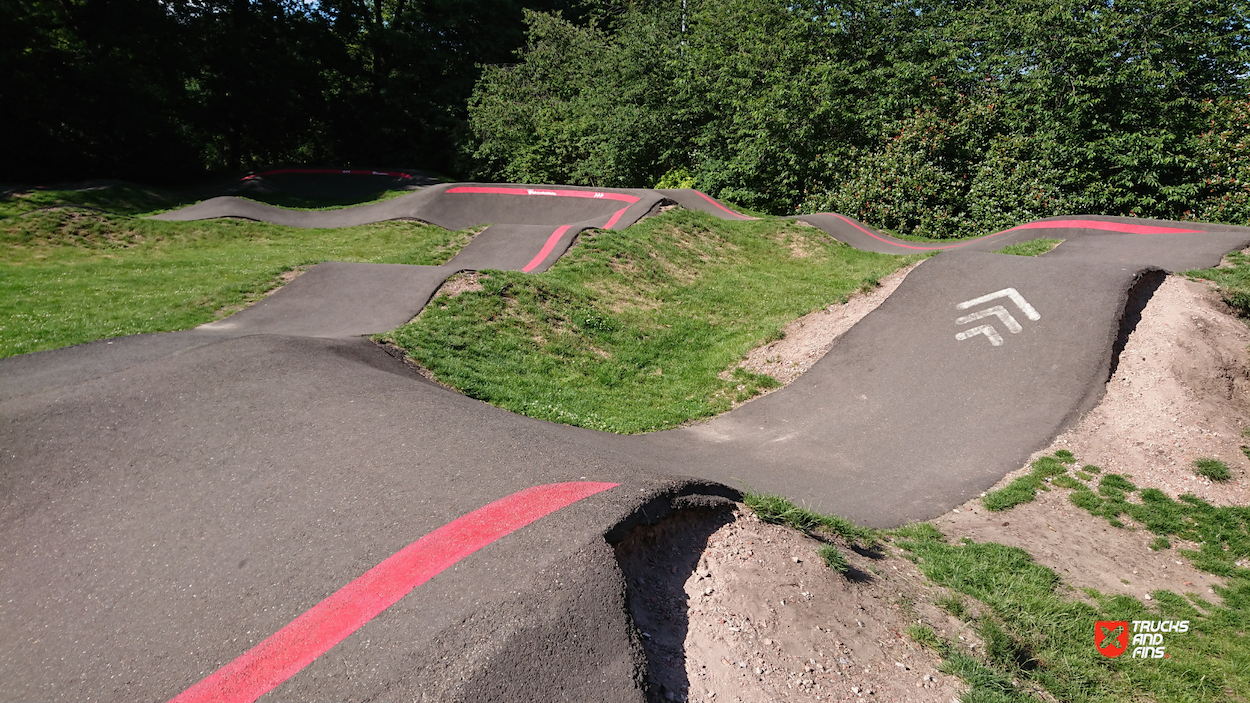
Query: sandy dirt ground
{"points": [[736, 610], [810, 337], [739, 610]]}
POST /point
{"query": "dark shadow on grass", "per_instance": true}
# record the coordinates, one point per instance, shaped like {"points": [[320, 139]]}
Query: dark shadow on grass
{"points": [[855, 575]]}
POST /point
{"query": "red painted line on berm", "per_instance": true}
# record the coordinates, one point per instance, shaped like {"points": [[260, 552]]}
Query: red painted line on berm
{"points": [[547, 247], [722, 207], [268, 664], [1102, 225], [1121, 227], [549, 192]]}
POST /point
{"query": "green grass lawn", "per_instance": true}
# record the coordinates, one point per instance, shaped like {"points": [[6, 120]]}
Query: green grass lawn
{"points": [[1033, 247], [72, 275], [640, 329]]}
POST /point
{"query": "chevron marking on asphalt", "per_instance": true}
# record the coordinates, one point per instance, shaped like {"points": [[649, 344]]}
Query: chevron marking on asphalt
{"points": [[1011, 293], [1008, 321], [988, 330]]}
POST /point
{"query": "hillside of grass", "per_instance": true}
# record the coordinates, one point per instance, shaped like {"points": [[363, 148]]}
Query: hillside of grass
{"points": [[79, 265], [640, 329]]}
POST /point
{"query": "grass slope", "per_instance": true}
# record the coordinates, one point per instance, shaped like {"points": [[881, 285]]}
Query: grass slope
{"points": [[640, 329], [72, 275]]}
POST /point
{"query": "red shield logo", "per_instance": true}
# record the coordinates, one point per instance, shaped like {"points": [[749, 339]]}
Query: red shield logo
{"points": [[1111, 637]]}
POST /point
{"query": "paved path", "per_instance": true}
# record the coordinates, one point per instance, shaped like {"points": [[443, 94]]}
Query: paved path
{"points": [[170, 501]]}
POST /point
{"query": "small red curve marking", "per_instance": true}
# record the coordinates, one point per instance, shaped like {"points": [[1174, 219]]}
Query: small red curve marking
{"points": [[592, 194], [731, 212], [547, 247], [615, 218], [268, 664]]}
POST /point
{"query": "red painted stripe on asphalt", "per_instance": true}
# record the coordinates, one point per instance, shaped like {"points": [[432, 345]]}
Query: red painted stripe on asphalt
{"points": [[616, 216], [731, 212], [268, 664], [592, 194], [1124, 227], [353, 172], [547, 247], [857, 226]]}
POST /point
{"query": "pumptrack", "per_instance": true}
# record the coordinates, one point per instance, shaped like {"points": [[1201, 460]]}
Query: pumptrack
{"points": [[271, 506]]}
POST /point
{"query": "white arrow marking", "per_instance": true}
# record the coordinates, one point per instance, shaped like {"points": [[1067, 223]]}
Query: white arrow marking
{"points": [[988, 330], [1012, 293], [1008, 321]]}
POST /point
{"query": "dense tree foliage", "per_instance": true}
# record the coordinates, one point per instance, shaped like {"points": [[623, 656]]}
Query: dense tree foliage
{"points": [[172, 89], [927, 117], [934, 117]]}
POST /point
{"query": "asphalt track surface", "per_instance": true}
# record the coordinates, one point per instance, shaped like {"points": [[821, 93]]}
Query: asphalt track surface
{"points": [[278, 500]]}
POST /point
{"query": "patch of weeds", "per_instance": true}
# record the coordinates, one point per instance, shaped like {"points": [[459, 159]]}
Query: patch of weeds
{"points": [[780, 511], [953, 604], [1222, 533], [986, 684], [1213, 469], [1033, 247], [1065, 456], [1199, 601], [1090, 468], [925, 636], [750, 384], [1085, 498], [1118, 482], [1084, 476], [1115, 486], [833, 558], [1002, 647], [1067, 482], [1024, 489]]}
